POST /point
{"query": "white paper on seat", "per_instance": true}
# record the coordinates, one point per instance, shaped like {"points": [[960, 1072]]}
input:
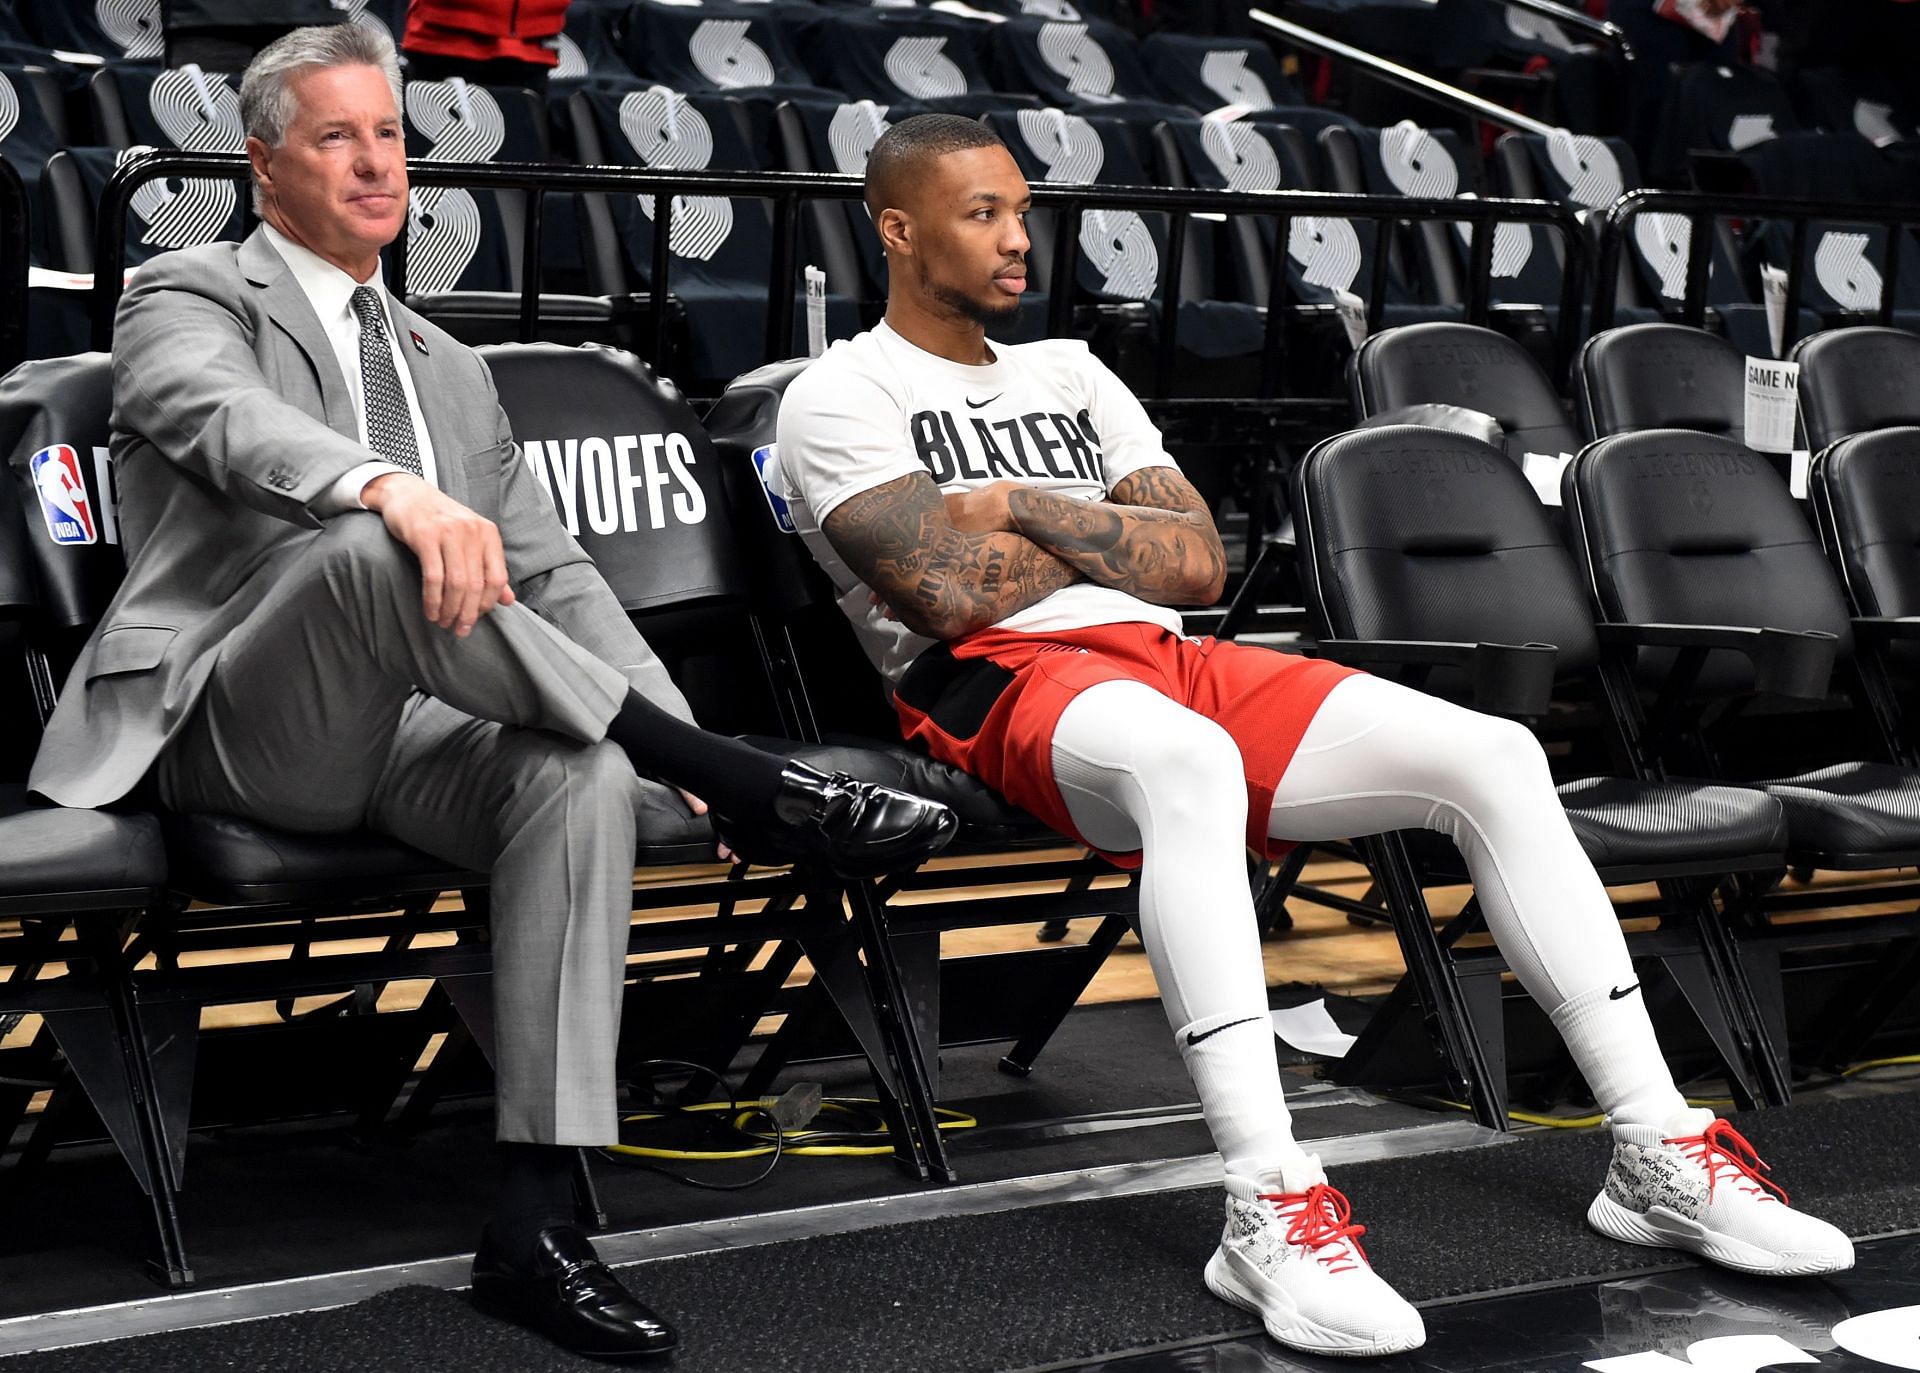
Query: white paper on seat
{"points": [[1773, 397], [1311, 1030], [1543, 472]]}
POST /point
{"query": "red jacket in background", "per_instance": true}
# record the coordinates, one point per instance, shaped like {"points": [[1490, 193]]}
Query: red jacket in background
{"points": [[485, 30]]}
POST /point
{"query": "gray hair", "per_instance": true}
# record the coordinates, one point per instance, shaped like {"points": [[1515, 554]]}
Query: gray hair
{"points": [[267, 104]]}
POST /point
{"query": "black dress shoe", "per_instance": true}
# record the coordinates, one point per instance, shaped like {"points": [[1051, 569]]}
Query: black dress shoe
{"points": [[859, 829], [571, 1297]]}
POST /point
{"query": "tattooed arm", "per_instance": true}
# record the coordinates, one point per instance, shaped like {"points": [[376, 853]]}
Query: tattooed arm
{"points": [[943, 580], [1155, 539]]}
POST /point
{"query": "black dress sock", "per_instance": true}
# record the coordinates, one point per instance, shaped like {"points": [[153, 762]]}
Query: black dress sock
{"points": [[735, 779], [536, 1193]]}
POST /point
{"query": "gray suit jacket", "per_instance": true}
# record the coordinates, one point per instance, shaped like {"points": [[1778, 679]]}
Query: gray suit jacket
{"points": [[230, 421]]}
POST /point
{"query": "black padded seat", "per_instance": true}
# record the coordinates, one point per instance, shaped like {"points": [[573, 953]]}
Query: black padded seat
{"points": [[1622, 823], [57, 853], [1853, 380], [1661, 376], [1869, 809], [230, 861], [1468, 366], [224, 859]]}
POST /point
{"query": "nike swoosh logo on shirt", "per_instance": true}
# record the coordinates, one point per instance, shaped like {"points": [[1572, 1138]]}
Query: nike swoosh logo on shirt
{"points": [[1193, 1038], [1617, 992], [976, 404]]}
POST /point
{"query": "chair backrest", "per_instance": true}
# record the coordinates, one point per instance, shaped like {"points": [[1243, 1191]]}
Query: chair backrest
{"points": [[712, 49], [458, 239], [1070, 64], [1121, 253], [1208, 72], [1679, 527], [1660, 376], [1466, 366], [1854, 380], [1415, 533], [893, 54], [1725, 109], [628, 467], [27, 139], [186, 108], [1866, 492], [846, 694], [53, 438], [119, 30]]}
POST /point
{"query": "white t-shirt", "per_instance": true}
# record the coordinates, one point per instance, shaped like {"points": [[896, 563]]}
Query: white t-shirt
{"points": [[876, 408]]}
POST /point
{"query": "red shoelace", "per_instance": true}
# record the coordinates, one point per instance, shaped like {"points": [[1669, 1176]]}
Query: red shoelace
{"points": [[1320, 1217], [1720, 1146]]}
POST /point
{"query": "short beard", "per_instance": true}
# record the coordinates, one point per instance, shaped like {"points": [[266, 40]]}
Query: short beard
{"points": [[977, 311]]}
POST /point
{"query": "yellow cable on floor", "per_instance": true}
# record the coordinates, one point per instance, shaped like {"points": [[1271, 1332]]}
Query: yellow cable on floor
{"points": [[791, 1141]]}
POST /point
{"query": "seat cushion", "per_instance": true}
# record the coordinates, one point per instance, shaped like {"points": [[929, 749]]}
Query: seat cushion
{"points": [[58, 851], [1625, 823], [1856, 808], [984, 816], [227, 860]]}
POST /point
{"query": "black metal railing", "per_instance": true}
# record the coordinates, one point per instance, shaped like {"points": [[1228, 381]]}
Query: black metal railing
{"points": [[787, 191], [1701, 213], [14, 254], [1406, 78]]}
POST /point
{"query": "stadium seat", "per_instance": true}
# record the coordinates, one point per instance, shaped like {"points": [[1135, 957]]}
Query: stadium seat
{"points": [[88, 873], [1467, 367], [842, 702], [1725, 603], [1206, 73], [1660, 376], [1424, 591], [1084, 67], [709, 50], [892, 54], [35, 130], [129, 32], [1713, 112], [720, 247], [1870, 104], [185, 108], [1855, 380]]}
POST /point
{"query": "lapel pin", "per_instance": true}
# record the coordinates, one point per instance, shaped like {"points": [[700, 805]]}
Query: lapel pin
{"points": [[418, 342]]}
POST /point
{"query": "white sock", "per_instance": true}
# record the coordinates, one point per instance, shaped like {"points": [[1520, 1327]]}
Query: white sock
{"points": [[1230, 1057], [1612, 1042]]}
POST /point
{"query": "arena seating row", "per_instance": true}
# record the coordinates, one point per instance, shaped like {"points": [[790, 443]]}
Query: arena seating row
{"points": [[690, 566], [1128, 116], [1688, 586]]}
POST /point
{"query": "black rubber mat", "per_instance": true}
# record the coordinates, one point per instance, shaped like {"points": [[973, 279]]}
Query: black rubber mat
{"points": [[1056, 1283]]}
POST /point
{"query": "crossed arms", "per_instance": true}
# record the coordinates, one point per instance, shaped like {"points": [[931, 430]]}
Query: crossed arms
{"points": [[947, 566]]}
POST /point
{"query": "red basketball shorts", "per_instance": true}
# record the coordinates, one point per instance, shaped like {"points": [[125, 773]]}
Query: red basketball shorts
{"points": [[988, 704]]}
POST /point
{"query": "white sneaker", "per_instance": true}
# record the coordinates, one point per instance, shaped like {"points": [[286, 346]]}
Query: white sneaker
{"points": [[1294, 1259], [1704, 1192]]}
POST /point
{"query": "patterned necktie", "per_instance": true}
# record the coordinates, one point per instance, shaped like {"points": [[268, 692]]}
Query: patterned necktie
{"points": [[389, 424]]}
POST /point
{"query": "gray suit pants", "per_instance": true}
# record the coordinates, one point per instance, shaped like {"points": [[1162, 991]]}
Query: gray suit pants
{"points": [[337, 704]]}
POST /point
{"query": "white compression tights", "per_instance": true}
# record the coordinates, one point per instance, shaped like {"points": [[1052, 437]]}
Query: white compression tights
{"points": [[1138, 771]]}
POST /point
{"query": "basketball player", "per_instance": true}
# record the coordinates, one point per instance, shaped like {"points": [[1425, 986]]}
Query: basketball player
{"points": [[1009, 537]]}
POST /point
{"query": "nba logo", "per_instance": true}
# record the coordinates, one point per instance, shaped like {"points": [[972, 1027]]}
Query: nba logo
{"points": [[63, 495], [766, 461]]}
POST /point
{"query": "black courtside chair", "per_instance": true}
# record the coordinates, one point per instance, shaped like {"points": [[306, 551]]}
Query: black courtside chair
{"points": [[1469, 593], [666, 536], [1660, 376], [90, 873], [834, 695], [1730, 623], [1857, 379]]}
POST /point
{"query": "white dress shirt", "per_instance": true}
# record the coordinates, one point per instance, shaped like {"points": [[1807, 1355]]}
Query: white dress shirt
{"points": [[330, 291]]}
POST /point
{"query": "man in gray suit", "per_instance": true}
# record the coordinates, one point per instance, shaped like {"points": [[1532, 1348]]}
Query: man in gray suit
{"points": [[349, 603]]}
